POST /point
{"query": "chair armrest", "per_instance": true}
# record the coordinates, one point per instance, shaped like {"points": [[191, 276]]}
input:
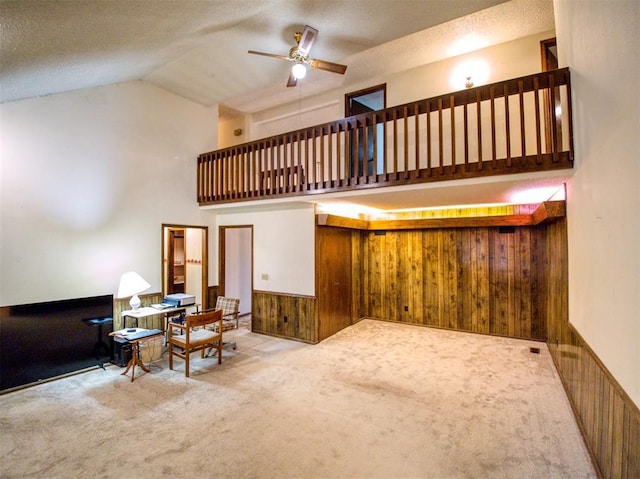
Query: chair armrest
{"points": [[171, 325]]}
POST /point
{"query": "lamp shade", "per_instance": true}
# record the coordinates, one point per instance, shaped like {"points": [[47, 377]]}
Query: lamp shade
{"points": [[131, 284]]}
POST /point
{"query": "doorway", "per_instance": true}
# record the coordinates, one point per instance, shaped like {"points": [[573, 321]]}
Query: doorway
{"points": [[362, 147], [175, 261], [185, 267], [236, 265], [333, 280]]}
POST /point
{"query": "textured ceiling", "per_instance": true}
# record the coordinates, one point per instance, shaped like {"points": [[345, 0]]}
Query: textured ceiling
{"points": [[198, 48]]}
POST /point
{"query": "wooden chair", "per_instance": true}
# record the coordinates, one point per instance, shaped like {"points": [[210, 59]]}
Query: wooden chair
{"points": [[199, 332]]}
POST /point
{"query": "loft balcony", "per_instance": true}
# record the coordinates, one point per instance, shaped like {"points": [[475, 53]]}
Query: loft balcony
{"points": [[521, 125]]}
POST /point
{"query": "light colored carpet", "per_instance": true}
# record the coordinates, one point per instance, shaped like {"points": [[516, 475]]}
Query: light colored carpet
{"points": [[375, 400]]}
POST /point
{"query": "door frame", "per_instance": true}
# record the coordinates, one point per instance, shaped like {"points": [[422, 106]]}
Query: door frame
{"points": [[222, 240], [205, 258]]}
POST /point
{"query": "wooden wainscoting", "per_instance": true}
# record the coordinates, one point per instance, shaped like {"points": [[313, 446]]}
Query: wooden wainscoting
{"points": [[284, 315], [485, 280], [151, 322], [609, 420]]}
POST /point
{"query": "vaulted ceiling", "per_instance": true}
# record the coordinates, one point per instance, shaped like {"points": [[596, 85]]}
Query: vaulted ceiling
{"points": [[198, 48]]}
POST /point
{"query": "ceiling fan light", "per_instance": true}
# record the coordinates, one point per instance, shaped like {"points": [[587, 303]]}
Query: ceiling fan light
{"points": [[299, 71]]}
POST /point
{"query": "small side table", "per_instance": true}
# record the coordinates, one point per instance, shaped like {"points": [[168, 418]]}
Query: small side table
{"points": [[100, 343], [135, 338]]}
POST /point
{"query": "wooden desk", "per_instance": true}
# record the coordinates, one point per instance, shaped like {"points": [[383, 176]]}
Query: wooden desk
{"points": [[149, 311], [135, 338]]}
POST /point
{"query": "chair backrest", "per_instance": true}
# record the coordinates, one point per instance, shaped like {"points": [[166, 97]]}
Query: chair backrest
{"points": [[202, 319], [229, 306]]}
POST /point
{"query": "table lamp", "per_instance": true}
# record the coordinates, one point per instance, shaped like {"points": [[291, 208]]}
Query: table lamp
{"points": [[131, 284]]}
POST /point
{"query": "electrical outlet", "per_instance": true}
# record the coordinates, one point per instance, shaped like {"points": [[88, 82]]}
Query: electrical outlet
{"points": [[406, 308], [264, 276], [286, 319]]}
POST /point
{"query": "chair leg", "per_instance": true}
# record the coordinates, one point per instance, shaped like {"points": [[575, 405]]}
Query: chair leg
{"points": [[186, 362], [171, 357]]}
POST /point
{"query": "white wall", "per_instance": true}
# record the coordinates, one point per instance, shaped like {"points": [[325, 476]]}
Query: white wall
{"points": [[599, 41], [488, 65], [492, 64], [226, 128], [87, 179], [307, 112], [283, 246]]}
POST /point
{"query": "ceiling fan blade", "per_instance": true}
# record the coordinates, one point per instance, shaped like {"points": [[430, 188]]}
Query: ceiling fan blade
{"points": [[328, 66], [272, 55], [309, 35], [292, 80]]}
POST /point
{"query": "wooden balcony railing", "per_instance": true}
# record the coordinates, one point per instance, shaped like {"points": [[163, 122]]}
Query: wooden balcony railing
{"points": [[515, 126]]}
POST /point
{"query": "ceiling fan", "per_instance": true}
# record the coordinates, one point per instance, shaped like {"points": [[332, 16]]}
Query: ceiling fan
{"points": [[299, 55]]}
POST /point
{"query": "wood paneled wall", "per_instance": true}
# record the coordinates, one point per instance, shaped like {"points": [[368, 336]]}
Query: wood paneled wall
{"points": [[609, 420], [488, 281], [512, 284], [269, 311], [470, 279]]}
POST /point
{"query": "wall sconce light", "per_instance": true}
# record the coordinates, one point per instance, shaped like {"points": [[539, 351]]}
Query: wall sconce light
{"points": [[299, 71], [469, 83], [131, 284], [469, 73]]}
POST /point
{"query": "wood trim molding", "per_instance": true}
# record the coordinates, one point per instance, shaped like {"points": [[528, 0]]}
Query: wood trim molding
{"points": [[549, 210], [341, 222], [546, 211], [290, 295]]}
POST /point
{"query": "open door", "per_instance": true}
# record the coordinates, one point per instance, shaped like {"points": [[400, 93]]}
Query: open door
{"points": [[552, 112], [236, 264], [175, 279], [185, 267], [365, 144]]}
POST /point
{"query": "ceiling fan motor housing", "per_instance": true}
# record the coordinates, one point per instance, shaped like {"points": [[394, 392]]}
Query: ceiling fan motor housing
{"points": [[296, 56]]}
